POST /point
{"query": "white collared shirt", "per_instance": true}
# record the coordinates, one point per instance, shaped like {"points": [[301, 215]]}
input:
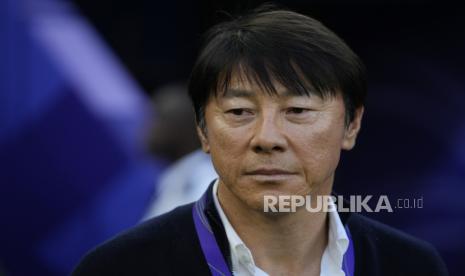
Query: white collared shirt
{"points": [[242, 259]]}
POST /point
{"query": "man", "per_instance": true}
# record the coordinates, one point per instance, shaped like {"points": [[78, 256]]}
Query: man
{"points": [[277, 97]]}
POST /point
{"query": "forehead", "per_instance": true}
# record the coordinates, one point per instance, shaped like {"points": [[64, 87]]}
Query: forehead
{"points": [[246, 87]]}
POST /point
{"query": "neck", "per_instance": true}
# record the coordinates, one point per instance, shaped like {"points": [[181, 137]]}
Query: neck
{"points": [[289, 243]]}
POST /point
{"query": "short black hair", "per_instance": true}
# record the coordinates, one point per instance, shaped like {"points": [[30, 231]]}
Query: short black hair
{"points": [[269, 44]]}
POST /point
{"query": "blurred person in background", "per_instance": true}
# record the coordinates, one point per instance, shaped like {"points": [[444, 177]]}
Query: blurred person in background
{"points": [[173, 134], [277, 97], [174, 138]]}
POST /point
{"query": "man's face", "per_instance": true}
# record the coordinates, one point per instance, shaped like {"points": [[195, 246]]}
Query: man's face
{"points": [[283, 144]]}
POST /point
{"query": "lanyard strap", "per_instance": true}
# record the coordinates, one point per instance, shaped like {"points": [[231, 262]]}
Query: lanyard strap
{"points": [[215, 258], [348, 263], [210, 248]]}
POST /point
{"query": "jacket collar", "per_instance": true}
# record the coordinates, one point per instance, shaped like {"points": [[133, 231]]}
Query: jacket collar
{"points": [[216, 225]]}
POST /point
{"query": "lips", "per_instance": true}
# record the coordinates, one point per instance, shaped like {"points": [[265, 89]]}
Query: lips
{"points": [[270, 175], [269, 171]]}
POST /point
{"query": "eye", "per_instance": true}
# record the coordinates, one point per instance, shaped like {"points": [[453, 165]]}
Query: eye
{"points": [[297, 110], [239, 112]]}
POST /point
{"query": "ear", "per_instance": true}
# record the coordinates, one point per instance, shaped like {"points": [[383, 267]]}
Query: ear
{"points": [[351, 131], [203, 139]]}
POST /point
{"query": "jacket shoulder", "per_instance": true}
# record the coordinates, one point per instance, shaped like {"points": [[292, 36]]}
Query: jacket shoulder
{"points": [[394, 252], [150, 248]]}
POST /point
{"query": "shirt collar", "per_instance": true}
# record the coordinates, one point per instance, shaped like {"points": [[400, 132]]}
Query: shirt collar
{"points": [[239, 251], [338, 241], [234, 239]]}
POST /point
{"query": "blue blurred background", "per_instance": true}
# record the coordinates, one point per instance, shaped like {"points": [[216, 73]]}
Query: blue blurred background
{"points": [[93, 115]]}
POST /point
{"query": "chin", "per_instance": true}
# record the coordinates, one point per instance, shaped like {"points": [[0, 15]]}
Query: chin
{"points": [[283, 189], [254, 198]]}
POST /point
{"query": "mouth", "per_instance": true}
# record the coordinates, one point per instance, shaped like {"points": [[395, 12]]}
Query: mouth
{"points": [[269, 172]]}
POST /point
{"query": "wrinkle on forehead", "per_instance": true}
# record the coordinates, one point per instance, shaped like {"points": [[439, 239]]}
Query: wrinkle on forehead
{"points": [[245, 79]]}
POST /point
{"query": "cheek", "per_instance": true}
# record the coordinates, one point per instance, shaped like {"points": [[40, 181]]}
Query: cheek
{"points": [[228, 141], [320, 150], [227, 148]]}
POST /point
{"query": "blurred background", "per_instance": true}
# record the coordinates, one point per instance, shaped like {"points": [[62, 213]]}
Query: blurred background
{"points": [[97, 134]]}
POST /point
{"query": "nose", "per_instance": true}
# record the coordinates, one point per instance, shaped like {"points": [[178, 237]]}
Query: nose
{"points": [[268, 135]]}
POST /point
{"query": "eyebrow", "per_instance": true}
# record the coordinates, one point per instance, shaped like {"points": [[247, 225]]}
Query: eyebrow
{"points": [[241, 93]]}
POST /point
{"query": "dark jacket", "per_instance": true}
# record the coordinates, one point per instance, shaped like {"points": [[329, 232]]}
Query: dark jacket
{"points": [[168, 245]]}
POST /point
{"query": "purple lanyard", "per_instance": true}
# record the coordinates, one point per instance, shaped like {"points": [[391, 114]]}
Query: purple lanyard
{"points": [[212, 252]]}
